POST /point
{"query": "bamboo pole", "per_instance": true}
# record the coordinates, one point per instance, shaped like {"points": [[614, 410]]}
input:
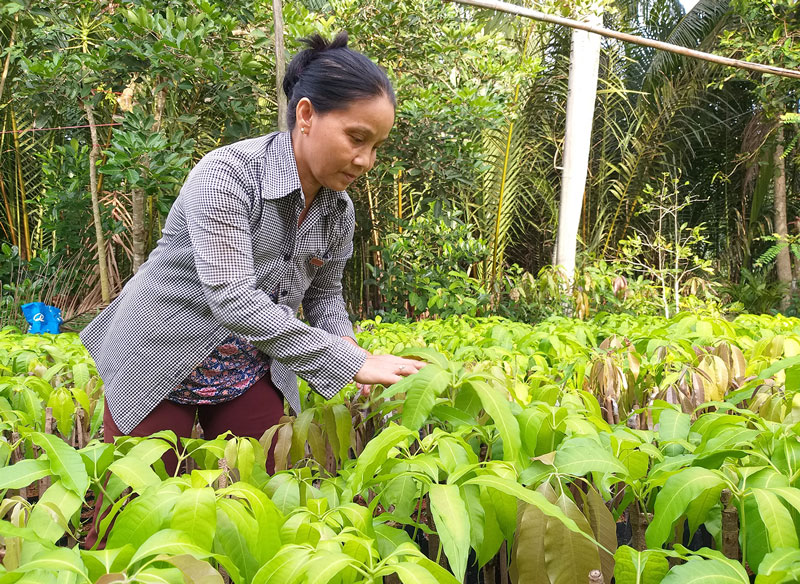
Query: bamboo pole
{"points": [[280, 63], [607, 32], [4, 75], [25, 236]]}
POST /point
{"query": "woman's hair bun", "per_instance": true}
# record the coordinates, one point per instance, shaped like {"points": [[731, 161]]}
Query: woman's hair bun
{"points": [[331, 76], [317, 44]]}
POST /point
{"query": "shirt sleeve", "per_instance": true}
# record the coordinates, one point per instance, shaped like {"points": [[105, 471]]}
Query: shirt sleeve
{"points": [[323, 303], [216, 205]]}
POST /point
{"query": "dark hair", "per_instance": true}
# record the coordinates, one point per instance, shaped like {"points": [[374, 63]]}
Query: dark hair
{"points": [[332, 76]]}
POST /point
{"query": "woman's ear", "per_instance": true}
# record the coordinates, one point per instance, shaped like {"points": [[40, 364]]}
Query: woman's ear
{"points": [[304, 114]]}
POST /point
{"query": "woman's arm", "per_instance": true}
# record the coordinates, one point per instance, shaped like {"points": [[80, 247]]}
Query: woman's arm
{"points": [[217, 207]]}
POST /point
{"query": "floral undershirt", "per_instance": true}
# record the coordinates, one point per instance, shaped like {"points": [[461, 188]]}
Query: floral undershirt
{"points": [[229, 371]]}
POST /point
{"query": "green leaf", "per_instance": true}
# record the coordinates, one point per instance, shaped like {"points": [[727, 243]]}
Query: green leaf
{"points": [[789, 494], [107, 561], [388, 539], [401, 492], [411, 573], [144, 516], [96, 458], [580, 456], [80, 375], [673, 501], [135, 473], [635, 567], [777, 519], [195, 514], [699, 507], [713, 571], [237, 536], [267, 516], [452, 524], [498, 407], [779, 365], [168, 541], [779, 566], [23, 473], [65, 500], [493, 536], [325, 566], [426, 354], [63, 407], [420, 399], [57, 560], [673, 426], [284, 566], [149, 450], [65, 462], [374, 454], [8, 530]]}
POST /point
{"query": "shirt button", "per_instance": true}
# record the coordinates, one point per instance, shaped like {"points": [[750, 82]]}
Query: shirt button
{"points": [[284, 293], [287, 257]]}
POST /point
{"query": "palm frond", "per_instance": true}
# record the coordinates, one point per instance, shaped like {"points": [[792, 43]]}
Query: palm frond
{"points": [[695, 30]]}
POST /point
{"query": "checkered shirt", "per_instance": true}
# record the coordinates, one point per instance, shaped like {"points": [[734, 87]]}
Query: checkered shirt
{"points": [[231, 239]]}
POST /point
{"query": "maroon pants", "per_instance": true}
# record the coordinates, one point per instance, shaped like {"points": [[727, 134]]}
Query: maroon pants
{"points": [[249, 415]]}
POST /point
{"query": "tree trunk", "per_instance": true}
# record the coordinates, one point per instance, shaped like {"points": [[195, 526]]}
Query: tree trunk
{"points": [[139, 223], [94, 154], [280, 62], [784, 262], [583, 70]]}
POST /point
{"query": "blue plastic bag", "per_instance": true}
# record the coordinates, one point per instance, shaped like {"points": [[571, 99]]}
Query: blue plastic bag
{"points": [[42, 318]]}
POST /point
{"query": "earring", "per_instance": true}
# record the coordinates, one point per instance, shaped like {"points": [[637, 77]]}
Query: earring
{"points": [[302, 130]]}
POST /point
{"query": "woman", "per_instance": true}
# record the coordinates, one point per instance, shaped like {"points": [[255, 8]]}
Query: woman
{"points": [[207, 327]]}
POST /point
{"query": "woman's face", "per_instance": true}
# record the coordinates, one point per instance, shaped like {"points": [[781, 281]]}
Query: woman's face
{"points": [[335, 148]]}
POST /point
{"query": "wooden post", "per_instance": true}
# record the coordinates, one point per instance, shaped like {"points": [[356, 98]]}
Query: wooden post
{"points": [[730, 526], [16, 456], [44, 483], [596, 577], [504, 563], [639, 522], [223, 478], [584, 65]]}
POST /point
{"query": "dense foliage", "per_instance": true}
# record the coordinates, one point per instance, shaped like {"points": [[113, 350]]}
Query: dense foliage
{"points": [[518, 448], [479, 131]]}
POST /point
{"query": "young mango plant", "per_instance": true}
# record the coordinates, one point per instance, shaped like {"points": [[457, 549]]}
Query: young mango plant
{"points": [[38, 372]]}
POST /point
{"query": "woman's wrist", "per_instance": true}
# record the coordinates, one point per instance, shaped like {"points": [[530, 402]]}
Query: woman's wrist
{"points": [[353, 342]]}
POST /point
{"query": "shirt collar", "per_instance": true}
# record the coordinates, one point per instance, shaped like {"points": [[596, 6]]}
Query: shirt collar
{"points": [[281, 155]]}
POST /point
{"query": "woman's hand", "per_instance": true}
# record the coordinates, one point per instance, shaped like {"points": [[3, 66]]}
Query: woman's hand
{"points": [[386, 370]]}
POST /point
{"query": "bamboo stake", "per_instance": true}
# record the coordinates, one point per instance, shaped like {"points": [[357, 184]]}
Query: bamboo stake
{"points": [[44, 483], [399, 198], [607, 32]]}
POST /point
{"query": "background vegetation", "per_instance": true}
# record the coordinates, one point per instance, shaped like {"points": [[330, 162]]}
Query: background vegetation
{"points": [[690, 168]]}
